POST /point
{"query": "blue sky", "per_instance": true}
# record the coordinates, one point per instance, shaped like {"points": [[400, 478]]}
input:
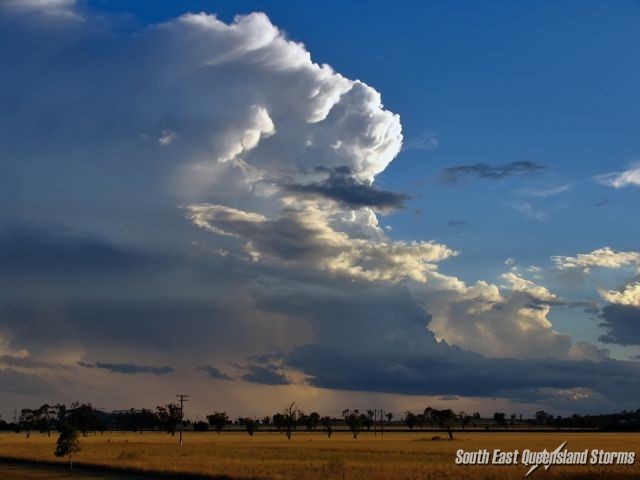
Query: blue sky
{"points": [[202, 174]]}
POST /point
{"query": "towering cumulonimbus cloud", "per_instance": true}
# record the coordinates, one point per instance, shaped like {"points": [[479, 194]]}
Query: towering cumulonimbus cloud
{"points": [[227, 101], [217, 195]]}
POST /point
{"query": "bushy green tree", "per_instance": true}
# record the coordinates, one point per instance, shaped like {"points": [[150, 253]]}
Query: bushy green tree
{"points": [[67, 443]]}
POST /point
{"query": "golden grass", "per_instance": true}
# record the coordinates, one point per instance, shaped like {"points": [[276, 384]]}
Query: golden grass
{"points": [[397, 456]]}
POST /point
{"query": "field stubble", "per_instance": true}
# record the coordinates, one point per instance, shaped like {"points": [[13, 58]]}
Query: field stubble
{"points": [[307, 456]]}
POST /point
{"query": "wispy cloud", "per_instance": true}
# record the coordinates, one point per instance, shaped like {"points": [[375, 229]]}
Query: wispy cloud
{"points": [[549, 191], [529, 211], [491, 172], [427, 140], [128, 368], [167, 137], [214, 372]]}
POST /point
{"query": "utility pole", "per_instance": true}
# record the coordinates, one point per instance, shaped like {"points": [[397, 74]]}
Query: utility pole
{"points": [[375, 422], [183, 398]]}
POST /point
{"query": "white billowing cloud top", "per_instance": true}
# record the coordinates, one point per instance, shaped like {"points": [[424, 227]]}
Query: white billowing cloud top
{"points": [[265, 86], [604, 257], [302, 236], [629, 296]]}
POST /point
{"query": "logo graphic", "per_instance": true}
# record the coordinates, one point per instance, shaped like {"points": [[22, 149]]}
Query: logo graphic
{"points": [[533, 459], [546, 467]]}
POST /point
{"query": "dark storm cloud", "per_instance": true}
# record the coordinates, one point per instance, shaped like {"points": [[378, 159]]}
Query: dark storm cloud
{"points": [[131, 323], [374, 339], [29, 248], [622, 323], [267, 358], [129, 368], [28, 362], [456, 372], [214, 372], [266, 375], [587, 306], [12, 381], [491, 172], [95, 293], [341, 187], [380, 317]]}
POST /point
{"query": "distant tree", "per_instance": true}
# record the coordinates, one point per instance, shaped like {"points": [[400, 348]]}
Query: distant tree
{"points": [[312, 421], [513, 418], [389, 418], [354, 421], [61, 414], [170, 417], [543, 418], [251, 425], [445, 419], [135, 420], [327, 423], [218, 420], [278, 421], [45, 416], [410, 419], [464, 419], [200, 426], [500, 419], [83, 417], [368, 419], [148, 420], [430, 416], [27, 421], [303, 419], [67, 443], [266, 420], [290, 418], [476, 415]]}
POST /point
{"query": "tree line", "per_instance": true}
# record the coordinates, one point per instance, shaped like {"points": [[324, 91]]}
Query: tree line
{"points": [[84, 418]]}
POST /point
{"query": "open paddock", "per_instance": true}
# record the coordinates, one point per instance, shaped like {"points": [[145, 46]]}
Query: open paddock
{"points": [[269, 455]]}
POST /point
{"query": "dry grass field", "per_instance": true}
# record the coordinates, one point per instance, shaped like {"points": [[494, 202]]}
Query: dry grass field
{"points": [[396, 456]]}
